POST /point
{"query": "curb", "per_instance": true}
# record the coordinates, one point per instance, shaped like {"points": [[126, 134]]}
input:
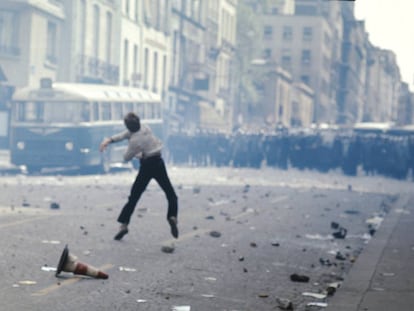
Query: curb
{"points": [[351, 294]]}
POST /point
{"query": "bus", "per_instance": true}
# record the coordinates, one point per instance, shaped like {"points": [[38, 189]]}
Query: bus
{"points": [[61, 125]]}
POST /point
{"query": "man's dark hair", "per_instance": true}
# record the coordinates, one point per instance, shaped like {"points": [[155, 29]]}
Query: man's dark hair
{"points": [[132, 122]]}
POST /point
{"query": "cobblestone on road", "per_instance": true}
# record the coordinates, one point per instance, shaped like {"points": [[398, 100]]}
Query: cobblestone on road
{"points": [[271, 224]]}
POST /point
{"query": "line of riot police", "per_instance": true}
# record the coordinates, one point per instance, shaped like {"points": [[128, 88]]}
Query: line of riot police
{"points": [[351, 152]]}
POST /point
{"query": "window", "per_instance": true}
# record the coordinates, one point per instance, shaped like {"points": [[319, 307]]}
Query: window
{"points": [[82, 20], [127, 8], [135, 64], [51, 45], [164, 72], [117, 111], [147, 11], [85, 112], [267, 53], [281, 107], [8, 33], [146, 56], [268, 31], [305, 79], [53, 112], [155, 73], [158, 15], [286, 62], [128, 107], [140, 110], [108, 36], [126, 65], [136, 11], [286, 59], [96, 31], [164, 11], [306, 57], [106, 111], [287, 33], [307, 34], [95, 111], [150, 111], [29, 111]]}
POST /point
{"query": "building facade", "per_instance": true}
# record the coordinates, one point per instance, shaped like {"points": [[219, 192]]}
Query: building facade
{"points": [[302, 105], [382, 86], [188, 24], [203, 43], [405, 106], [352, 73], [155, 52], [302, 46], [29, 41], [29, 49], [91, 54], [184, 50]]}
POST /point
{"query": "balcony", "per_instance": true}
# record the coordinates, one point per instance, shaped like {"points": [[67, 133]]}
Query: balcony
{"points": [[95, 68]]}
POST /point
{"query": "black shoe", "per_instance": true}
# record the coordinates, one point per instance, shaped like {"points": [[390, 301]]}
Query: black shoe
{"points": [[173, 224], [120, 234]]}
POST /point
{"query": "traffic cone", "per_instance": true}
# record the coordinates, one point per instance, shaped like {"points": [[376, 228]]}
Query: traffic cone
{"points": [[69, 263]]}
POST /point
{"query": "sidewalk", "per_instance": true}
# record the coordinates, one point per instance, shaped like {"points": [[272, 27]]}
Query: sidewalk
{"points": [[382, 279]]}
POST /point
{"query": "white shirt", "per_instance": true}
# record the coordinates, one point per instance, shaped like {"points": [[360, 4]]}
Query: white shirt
{"points": [[141, 144]]}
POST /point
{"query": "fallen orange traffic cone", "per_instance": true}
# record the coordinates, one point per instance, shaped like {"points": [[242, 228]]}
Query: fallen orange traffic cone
{"points": [[69, 263]]}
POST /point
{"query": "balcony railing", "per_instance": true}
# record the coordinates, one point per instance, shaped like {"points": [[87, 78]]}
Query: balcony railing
{"points": [[98, 69]]}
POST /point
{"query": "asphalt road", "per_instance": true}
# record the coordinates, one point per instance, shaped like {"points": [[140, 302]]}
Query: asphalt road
{"points": [[270, 224]]}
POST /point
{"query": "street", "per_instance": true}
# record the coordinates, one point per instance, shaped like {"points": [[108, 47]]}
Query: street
{"points": [[243, 234]]}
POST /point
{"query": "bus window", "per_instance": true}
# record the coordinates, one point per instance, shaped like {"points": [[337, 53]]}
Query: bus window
{"points": [[86, 112], [34, 111], [30, 112], [106, 111], [150, 111], [128, 107], [95, 111], [61, 112], [157, 111], [52, 112], [117, 111], [140, 110], [19, 113]]}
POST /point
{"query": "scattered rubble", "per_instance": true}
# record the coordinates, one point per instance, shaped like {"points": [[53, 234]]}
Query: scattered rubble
{"points": [[316, 304], [54, 205], [126, 269], [340, 234], [215, 234], [299, 278], [167, 249], [315, 295], [284, 304]]}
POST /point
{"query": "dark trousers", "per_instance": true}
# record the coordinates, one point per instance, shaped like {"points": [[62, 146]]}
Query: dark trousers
{"points": [[153, 167]]}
